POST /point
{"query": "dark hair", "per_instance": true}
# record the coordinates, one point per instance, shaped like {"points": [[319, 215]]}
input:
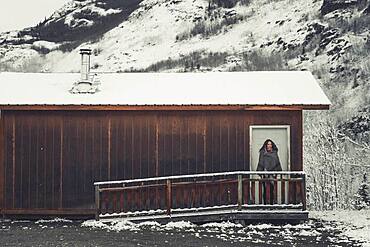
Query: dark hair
{"points": [[274, 147]]}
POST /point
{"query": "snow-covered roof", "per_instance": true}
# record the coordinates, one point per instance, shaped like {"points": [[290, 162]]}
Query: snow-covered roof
{"points": [[282, 88]]}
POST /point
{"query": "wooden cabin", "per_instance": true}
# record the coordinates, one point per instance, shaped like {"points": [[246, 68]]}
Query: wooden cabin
{"points": [[141, 132]]}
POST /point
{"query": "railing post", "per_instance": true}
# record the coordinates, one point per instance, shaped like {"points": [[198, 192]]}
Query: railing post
{"points": [[240, 191], [169, 197], [97, 202], [304, 204], [123, 208]]}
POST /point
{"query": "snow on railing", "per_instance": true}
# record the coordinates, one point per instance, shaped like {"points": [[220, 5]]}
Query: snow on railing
{"points": [[139, 180], [239, 189]]}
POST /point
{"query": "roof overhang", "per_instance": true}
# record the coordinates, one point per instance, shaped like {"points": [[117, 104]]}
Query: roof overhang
{"points": [[164, 107]]}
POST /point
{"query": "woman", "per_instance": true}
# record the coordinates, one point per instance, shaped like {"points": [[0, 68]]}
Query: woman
{"points": [[268, 161]]}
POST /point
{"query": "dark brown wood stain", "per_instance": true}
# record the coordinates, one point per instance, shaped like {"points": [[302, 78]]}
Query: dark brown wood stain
{"points": [[49, 159]]}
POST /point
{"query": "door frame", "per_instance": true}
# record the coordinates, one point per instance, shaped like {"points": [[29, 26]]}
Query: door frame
{"points": [[251, 127]]}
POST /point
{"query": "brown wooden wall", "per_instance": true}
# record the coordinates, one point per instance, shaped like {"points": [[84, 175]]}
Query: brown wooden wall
{"points": [[50, 159]]}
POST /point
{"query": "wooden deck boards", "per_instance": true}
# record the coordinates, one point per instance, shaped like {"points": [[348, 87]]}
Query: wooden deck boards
{"points": [[219, 215]]}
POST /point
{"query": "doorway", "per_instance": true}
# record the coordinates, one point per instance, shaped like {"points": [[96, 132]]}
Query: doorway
{"points": [[279, 134]]}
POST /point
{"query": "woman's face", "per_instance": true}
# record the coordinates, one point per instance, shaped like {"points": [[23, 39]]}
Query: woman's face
{"points": [[269, 146]]}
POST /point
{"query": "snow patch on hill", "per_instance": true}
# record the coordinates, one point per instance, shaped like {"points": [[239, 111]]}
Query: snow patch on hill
{"points": [[46, 44], [69, 7], [72, 20]]}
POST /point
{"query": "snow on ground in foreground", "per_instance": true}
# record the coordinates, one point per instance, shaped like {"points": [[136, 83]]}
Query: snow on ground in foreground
{"points": [[55, 220], [356, 223], [312, 231]]}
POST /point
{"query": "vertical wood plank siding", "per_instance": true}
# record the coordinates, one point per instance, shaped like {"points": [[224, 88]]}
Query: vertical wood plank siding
{"points": [[2, 161], [50, 159]]}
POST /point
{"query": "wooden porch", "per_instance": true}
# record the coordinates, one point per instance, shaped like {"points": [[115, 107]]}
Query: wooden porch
{"points": [[239, 195]]}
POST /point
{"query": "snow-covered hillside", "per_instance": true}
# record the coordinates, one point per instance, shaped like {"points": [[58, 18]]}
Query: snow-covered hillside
{"points": [[183, 35]]}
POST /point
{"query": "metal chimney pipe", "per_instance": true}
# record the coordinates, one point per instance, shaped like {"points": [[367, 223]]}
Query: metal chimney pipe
{"points": [[85, 64]]}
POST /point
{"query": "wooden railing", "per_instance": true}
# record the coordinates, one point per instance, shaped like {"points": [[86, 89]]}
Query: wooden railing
{"points": [[197, 192]]}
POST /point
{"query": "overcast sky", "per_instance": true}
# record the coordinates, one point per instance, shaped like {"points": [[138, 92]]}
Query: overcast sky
{"points": [[18, 14]]}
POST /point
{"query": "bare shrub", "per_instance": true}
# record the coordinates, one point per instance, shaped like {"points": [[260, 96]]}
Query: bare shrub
{"points": [[321, 73], [294, 52], [32, 65], [229, 3], [356, 24], [97, 51], [258, 60], [95, 66], [360, 48], [334, 164], [193, 61], [5, 67], [365, 67], [357, 58], [210, 27]]}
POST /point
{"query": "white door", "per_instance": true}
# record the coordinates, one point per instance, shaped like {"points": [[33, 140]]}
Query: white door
{"points": [[279, 134]]}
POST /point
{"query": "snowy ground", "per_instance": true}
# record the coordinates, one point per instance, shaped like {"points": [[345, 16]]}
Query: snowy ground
{"points": [[323, 229], [355, 224]]}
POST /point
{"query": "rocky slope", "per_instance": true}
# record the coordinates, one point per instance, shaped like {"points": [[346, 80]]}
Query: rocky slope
{"points": [[331, 38], [75, 23]]}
